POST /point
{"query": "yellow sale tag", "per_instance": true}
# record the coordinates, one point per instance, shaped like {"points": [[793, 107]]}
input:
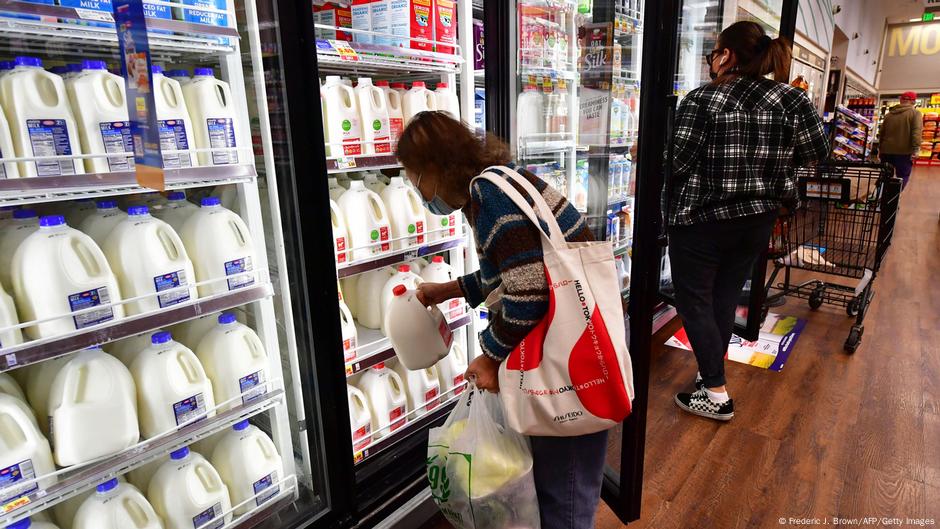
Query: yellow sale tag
{"points": [[345, 52], [16, 504]]}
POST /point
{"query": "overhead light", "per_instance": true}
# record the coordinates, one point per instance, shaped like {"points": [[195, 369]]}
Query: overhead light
{"points": [[915, 19]]}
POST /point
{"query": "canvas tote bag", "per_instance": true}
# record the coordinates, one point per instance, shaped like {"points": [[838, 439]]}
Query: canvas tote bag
{"points": [[572, 374]]}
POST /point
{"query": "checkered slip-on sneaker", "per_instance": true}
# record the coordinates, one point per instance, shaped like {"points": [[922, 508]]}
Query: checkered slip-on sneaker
{"points": [[698, 403], [699, 383]]}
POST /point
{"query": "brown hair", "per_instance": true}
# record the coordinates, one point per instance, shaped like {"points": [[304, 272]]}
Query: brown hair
{"points": [[435, 143], [757, 54]]}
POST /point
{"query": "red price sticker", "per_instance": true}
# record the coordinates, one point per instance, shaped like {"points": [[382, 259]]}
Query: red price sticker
{"points": [[346, 53]]}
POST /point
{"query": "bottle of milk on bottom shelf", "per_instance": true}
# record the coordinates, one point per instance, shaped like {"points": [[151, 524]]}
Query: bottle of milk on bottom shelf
{"points": [[249, 465], [99, 224], [388, 403], [360, 418], [24, 452], [116, 505], [235, 361], [187, 492], [423, 389]]}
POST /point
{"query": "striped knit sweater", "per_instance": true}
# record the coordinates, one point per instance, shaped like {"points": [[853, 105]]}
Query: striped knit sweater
{"points": [[510, 251]]}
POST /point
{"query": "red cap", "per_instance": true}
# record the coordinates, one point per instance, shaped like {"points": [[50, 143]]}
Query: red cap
{"points": [[404, 268], [442, 85], [381, 83], [399, 290], [437, 259], [398, 85], [419, 84], [909, 95]]}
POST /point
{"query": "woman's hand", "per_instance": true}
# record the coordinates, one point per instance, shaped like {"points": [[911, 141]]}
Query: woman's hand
{"points": [[437, 293], [485, 371]]}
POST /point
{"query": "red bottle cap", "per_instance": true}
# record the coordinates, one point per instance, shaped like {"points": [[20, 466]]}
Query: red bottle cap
{"points": [[399, 290], [417, 84], [437, 259], [442, 85], [381, 83], [404, 268]]}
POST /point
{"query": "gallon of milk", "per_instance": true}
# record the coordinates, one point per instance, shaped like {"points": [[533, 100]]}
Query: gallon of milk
{"points": [[187, 492], [340, 235], [24, 452], [360, 418], [179, 75], [335, 189], [373, 109], [39, 380], [349, 332], [191, 332], [531, 110], [126, 350], [64, 512], [149, 259], [349, 287], [141, 476], [212, 110], [405, 277], [440, 272], [99, 224], [374, 183], [369, 295], [220, 246], [13, 232], [418, 264], [79, 210], [249, 465], [422, 388], [388, 403], [92, 408], [9, 386], [343, 124], [40, 120], [447, 100], [367, 221], [406, 214], [34, 523], [235, 361], [100, 106], [176, 128], [172, 386], [396, 120], [420, 335], [59, 270], [176, 210], [418, 99], [7, 170], [451, 369], [343, 180], [116, 505]]}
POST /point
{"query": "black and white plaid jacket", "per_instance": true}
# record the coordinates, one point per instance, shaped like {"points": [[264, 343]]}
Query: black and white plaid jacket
{"points": [[735, 147]]}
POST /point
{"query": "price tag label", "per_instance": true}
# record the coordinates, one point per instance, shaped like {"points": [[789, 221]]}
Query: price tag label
{"points": [[358, 457], [346, 53], [10, 359], [89, 14], [349, 370], [345, 163]]}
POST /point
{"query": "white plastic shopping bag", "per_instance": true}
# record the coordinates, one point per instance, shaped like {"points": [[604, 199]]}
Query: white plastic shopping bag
{"points": [[572, 374], [480, 471]]}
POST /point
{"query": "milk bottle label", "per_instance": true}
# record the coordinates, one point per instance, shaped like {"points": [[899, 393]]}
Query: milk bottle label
{"points": [[173, 138], [418, 228], [252, 387], [458, 384], [12, 475], [50, 137], [381, 234], [450, 221], [239, 266], [155, 11], [222, 136], [87, 300], [351, 142], [189, 409], [341, 250], [117, 139], [394, 416], [396, 126], [362, 437], [264, 488], [168, 282], [203, 519], [349, 349], [430, 399], [206, 17], [380, 126]]}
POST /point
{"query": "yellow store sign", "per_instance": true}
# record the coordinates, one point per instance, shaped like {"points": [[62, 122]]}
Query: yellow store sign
{"points": [[918, 39], [911, 58]]}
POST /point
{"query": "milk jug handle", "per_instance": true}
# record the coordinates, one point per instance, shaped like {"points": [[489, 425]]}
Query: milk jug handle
{"points": [[73, 383], [205, 476]]}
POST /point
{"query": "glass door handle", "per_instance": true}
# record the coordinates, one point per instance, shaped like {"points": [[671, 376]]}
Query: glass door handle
{"points": [[671, 102]]}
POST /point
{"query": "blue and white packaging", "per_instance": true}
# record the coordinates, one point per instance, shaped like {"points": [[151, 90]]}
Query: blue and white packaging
{"points": [[96, 13], [381, 23], [362, 20], [34, 17], [209, 18]]}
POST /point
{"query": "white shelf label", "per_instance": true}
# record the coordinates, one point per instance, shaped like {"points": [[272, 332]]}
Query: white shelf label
{"points": [[89, 14]]}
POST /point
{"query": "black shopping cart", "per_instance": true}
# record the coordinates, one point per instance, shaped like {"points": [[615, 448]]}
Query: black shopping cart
{"points": [[842, 227]]}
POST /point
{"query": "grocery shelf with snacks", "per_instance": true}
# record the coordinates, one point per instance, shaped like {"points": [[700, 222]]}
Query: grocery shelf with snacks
{"points": [[851, 135]]}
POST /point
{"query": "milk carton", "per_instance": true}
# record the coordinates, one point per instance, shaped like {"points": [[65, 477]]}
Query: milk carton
{"points": [[412, 19], [12, 233], [349, 332], [369, 294], [388, 403], [420, 335], [39, 380], [440, 272], [445, 25], [360, 418], [336, 16], [116, 505], [446, 100], [40, 120], [187, 492], [423, 389], [404, 277], [235, 361], [396, 120], [58, 271], [99, 224], [24, 452], [381, 23], [362, 20], [212, 109], [343, 124], [418, 99], [406, 213], [176, 127], [220, 246], [92, 408], [176, 211], [7, 170], [373, 109], [249, 465], [126, 350], [367, 221], [100, 106], [172, 387]]}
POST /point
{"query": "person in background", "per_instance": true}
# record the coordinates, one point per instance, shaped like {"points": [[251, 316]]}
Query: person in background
{"points": [[900, 135], [441, 157], [736, 143]]}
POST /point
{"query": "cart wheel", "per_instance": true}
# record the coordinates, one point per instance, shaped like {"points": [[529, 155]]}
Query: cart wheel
{"points": [[854, 339], [816, 299], [853, 308]]}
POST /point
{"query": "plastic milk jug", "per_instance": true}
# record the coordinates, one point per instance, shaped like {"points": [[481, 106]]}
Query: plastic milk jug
{"points": [[100, 106], [190, 333], [212, 110], [116, 505], [126, 350], [249, 465], [340, 235], [9, 386], [176, 127], [24, 452], [360, 418], [21, 402], [451, 369], [343, 125], [447, 100], [530, 114], [369, 296], [40, 120], [406, 213], [149, 259], [92, 408], [388, 403], [99, 224], [179, 75], [187, 492], [419, 334], [79, 210], [140, 477], [39, 380], [442, 226], [405, 277], [7, 170], [176, 211], [396, 120], [335, 189], [418, 264], [373, 109], [220, 245], [12, 234], [235, 361], [350, 333], [59, 270], [349, 287], [374, 184], [418, 99], [440, 272], [422, 388], [367, 221], [172, 386], [65, 511]]}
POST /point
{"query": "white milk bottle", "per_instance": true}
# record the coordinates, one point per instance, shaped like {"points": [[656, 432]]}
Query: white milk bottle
{"points": [[350, 333], [340, 235], [64, 512], [187, 492], [420, 335], [176, 210], [79, 210], [349, 286], [343, 125], [422, 388], [100, 106], [374, 183], [126, 350], [212, 110], [360, 418], [451, 369], [447, 100], [24, 452], [40, 120], [388, 403], [369, 296], [92, 408], [367, 221], [440, 272], [418, 264], [406, 213], [396, 120], [531, 110], [176, 127], [179, 75], [235, 361], [220, 246], [14, 231], [7, 170], [59, 270], [9, 386], [373, 109], [190, 333], [172, 386], [405, 277], [149, 259], [418, 99], [140, 477], [249, 465], [99, 224], [116, 505], [38, 383], [343, 180], [335, 189]]}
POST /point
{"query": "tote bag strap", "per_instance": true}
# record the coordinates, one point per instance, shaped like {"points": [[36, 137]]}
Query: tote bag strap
{"points": [[542, 208], [520, 201]]}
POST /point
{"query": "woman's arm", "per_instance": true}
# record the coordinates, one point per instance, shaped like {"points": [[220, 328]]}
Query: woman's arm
{"points": [[811, 145]]}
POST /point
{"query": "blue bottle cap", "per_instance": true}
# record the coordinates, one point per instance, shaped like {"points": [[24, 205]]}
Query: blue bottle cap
{"points": [[59, 70], [6, 65], [226, 317], [24, 214], [156, 68], [176, 195], [94, 65], [138, 210], [204, 71], [28, 61], [161, 337], [211, 201], [49, 221], [239, 426], [178, 73], [176, 455], [106, 204], [22, 524], [74, 67], [109, 485]]}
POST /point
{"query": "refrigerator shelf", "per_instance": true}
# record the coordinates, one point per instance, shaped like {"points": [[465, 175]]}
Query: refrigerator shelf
{"points": [[340, 56], [398, 256], [39, 350], [369, 161]]}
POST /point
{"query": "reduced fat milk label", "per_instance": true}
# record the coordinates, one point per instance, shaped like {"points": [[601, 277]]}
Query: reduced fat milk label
{"points": [[265, 489], [50, 137], [13, 474], [117, 139], [173, 138], [168, 282], [252, 386], [239, 266], [222, 136], [189, 409], [203, 519], [87, 300]]}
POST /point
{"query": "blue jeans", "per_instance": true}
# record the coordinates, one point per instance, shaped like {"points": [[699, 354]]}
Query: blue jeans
{"points": [[902, 165], [568, 475]]}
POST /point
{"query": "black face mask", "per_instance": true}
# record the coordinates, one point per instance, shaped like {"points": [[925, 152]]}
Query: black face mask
{"points": [[710, 59]]}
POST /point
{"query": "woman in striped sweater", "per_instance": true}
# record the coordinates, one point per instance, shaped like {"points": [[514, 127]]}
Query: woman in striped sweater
{"points": [[442, 156]]}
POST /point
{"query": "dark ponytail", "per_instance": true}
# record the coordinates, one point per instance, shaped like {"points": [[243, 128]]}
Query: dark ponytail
{"points": [[757, 54]]}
